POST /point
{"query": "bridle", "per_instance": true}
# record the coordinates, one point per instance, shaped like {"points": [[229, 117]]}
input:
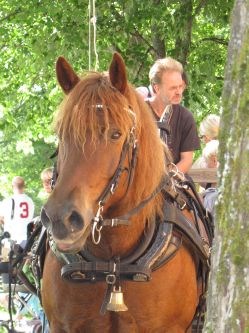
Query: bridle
{"points": [[98, 220], [130, 143]]}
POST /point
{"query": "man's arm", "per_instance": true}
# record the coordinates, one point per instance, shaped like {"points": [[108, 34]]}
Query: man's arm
{"points": [[186, 160]]}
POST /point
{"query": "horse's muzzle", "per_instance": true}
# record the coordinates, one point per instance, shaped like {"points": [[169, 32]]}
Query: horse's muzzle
{"points": [[61, 227]]}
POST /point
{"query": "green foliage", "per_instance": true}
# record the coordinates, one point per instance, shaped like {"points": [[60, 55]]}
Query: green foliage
{"points": [[34, 33]]}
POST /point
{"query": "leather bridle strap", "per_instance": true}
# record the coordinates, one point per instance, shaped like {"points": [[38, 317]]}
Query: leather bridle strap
{"points": [[113, 183], [142, 204], [97, 221]]}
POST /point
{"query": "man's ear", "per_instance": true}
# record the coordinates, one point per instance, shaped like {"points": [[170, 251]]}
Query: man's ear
{"points": [[155, 88]]}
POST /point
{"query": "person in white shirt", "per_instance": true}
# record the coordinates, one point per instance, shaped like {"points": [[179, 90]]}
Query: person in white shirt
{"points": [[17, 211]]}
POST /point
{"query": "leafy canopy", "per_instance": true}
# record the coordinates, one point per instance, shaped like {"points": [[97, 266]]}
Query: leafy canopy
{"points": [[33, 33]]}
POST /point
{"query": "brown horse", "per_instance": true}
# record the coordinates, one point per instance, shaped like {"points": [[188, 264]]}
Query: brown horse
{"points": [[106, 201]]}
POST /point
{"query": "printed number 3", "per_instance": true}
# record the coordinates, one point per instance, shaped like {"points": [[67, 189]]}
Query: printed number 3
{"points": [[24, 210]]}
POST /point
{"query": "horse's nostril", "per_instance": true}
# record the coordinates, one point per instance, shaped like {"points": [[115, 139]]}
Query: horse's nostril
{"points": [[44, 218], [76, 221]]}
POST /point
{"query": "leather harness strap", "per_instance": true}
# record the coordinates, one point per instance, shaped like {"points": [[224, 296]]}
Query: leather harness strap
{"points": [[145, 259], [81, 270], [162, 244]]}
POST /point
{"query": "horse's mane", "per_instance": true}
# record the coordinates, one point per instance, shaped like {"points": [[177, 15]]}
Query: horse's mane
{"points": [[79, 115]]}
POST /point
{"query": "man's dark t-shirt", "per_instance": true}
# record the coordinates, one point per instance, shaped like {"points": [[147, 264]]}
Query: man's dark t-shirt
{"points": [[183, 132]]}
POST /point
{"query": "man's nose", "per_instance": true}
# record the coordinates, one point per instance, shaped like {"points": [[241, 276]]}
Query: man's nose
{"points": [[179, 90]]}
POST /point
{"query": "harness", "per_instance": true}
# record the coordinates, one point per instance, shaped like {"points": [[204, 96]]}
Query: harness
{"points": [[160, 242]]}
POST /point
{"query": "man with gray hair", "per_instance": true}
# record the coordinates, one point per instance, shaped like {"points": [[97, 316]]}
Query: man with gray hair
{"points": [[17, 211], [178, 128]]}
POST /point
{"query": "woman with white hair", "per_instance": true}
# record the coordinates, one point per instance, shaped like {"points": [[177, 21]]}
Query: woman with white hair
{"points": [[209, 130], [210, 154]]}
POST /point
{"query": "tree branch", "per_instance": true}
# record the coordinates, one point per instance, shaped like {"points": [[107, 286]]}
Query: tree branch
{"points": [[141, 65], [215, 40], [137, 34], [199, 7], [7, 17]]}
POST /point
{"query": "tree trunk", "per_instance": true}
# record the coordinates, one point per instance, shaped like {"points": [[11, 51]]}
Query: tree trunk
{"points": [[158, 39], [183, 38], [228, 295]]}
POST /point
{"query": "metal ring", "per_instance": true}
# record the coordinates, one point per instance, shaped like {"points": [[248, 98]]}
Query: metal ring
{"points": [[110, 278], [98, 229], [94, 231]]}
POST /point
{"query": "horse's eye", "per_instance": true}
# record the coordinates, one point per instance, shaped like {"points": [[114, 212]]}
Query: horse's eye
{"points": [[115, 135]]}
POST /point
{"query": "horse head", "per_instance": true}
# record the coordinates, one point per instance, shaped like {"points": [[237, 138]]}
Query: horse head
{"points": [[100, 172]]}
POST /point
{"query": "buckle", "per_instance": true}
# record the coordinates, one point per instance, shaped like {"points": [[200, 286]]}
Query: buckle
{"points": [[182, 205]]}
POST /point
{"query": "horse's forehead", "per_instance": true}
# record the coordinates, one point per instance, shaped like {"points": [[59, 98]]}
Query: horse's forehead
{"points": [[110, 112]]}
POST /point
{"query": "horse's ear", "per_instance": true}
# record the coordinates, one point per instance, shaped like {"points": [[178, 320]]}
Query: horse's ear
{"points": [[66, 76], [117, 73]]}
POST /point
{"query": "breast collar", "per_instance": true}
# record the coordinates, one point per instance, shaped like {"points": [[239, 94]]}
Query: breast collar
{"points": [[159, 244], [147, 257]]}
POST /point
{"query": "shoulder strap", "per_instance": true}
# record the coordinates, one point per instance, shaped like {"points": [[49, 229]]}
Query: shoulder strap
{"points": [[165, 120], [12, 209], [149, 93], [166, 116]]}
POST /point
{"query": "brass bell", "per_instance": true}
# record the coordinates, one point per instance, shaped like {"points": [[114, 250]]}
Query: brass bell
{"points": [[116, 302]]}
